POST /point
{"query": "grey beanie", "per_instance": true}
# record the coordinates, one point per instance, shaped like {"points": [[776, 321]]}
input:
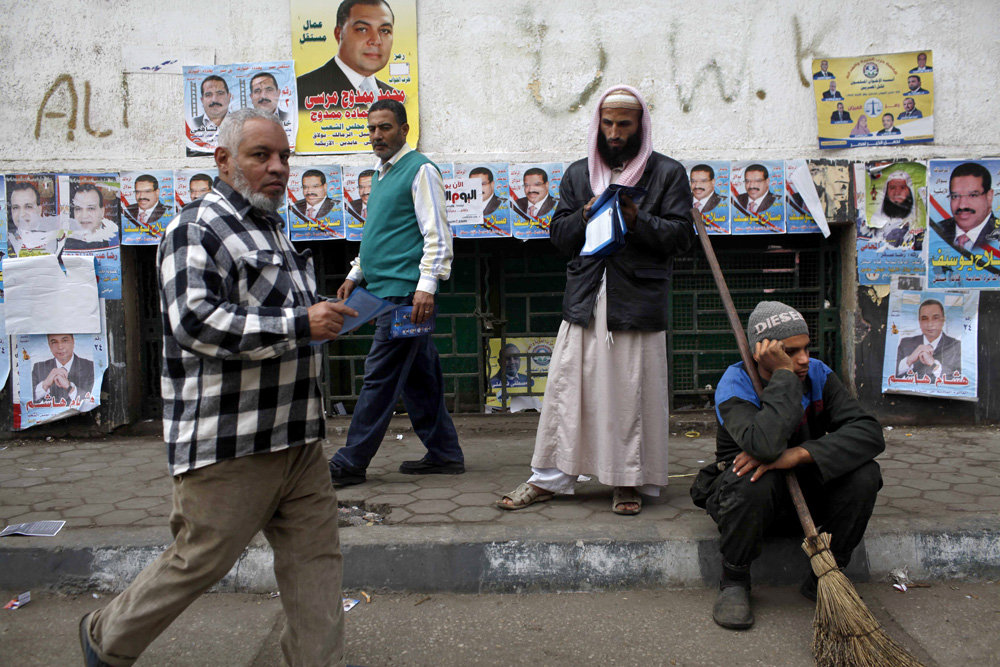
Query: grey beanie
{"points": [[774, 320]]}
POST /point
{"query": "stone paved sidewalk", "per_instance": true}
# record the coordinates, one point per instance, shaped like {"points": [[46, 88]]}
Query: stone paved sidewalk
{"points": [[929, 472]]}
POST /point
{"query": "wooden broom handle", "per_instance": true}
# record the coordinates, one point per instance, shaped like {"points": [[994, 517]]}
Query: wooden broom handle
{"points": [[805, 518]]}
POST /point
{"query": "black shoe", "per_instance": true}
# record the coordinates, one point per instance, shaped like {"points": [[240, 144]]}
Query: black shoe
{"points": [[346, 476], [90, 658], [732, 608], [428, 466], [809, 587]]}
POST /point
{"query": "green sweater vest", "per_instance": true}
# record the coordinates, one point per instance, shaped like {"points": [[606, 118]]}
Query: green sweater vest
{"points": [[392, 244]]}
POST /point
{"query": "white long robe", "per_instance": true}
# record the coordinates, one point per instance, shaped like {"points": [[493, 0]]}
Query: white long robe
{"points": [[605, 411]]}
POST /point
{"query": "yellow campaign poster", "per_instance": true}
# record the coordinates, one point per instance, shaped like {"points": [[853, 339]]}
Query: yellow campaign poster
{"points": [[879, 100], [521, 365], [341, 70]]}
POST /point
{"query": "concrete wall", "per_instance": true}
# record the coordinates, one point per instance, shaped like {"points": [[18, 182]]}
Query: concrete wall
{"points": [[506, 78], [515, 81]]}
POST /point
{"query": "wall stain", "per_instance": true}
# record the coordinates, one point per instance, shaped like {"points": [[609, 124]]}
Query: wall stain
{"points": [[540, 29], [712, 68], [67, 80], [803, 52]]}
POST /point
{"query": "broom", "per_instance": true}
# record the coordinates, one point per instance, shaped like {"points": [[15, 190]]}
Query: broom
{"points": [[845, 634]]}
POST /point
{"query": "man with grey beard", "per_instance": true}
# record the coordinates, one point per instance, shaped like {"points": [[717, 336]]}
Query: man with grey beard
{"points": [[242, 411]]}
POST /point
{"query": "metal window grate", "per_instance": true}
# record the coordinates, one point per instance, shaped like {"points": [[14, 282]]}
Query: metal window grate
{"points": [[803, 272]]}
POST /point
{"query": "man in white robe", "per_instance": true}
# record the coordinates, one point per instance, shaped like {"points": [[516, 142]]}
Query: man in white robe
{"points": [[605, 411]]}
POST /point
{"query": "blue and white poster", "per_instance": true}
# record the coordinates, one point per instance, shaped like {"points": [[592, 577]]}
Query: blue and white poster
{"points": [[931, 344], [757, 188], [710, 190], [315, 203], [192, 184], [92, 228], [212, 91], [59, 375], [964, 246], [534, 195], [147, 200], [495, 192], [4, 349]]}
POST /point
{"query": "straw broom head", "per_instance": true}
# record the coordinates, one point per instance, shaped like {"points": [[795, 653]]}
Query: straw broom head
{"points": [[845, 634]]}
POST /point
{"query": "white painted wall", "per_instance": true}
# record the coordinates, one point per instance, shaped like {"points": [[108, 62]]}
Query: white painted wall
{"points": [[498, 79]]}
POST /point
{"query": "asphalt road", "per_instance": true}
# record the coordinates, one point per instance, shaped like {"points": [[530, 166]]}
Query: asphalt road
{"points": [[949, 624]]}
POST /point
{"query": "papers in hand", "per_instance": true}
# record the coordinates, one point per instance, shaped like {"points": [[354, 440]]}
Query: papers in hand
{"points": [[368, 306], [606, 228]]}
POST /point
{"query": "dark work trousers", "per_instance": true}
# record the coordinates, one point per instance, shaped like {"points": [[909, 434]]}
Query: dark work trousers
{"points": [[745, 510], [403, 366]]}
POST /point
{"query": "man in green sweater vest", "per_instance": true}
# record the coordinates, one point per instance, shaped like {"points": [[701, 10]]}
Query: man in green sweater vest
{"points": [[405, 251]]}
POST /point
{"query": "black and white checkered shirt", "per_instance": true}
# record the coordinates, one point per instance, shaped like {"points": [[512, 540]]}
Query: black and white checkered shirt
{"points": [[239, 374]]}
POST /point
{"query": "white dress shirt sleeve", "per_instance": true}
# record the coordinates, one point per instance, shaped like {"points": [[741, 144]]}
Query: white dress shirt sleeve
{"points": [[432, 218]]}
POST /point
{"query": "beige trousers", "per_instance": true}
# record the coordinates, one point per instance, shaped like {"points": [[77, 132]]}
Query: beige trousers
{"points": [[216, 512]]}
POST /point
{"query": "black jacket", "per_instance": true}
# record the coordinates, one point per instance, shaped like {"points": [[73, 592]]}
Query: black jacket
{"points": [[817, 414], [639, 274]]}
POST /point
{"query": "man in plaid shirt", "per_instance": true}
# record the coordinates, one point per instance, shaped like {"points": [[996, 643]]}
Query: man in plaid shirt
{"points": [[243, 417]]}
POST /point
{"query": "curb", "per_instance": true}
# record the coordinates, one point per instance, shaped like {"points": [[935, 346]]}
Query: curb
{"points": [[492, 559]]}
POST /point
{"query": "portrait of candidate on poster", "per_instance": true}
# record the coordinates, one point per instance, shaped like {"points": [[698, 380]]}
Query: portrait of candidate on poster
{"points": [[92, 226], [931, 343], [519, 366], [710, 193], [964, 248], [315, 203], [495, 190], [192, 184], [757, 189], [879, 100], [270, 86], [58, 375], [534, 195], [32, 224], [891, 240], [347, 56], [147, 200], [210, 93], [357, 184]]}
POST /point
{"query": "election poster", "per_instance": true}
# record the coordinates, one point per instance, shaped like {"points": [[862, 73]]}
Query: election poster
{"points": [[92, 227], [212, 91], [58, 375], [757, 188], [832, 181], [495, 190], [192, 184], [208, 97], [710, 188], [519, 366], [147, 201], [4, 349], [315, 203], [964, 248], [357, 188], [879, 100], [32, 221], [3, 231], [892, 238], [463, 202], [342, 70], [534, 195], [931, 343]]}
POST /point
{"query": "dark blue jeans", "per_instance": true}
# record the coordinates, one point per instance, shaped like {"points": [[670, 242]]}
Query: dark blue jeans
{"points": [[403, 366]]}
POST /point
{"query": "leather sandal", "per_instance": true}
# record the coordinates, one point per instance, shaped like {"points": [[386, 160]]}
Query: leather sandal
{"points": [[623, 495], [523, 496]]}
